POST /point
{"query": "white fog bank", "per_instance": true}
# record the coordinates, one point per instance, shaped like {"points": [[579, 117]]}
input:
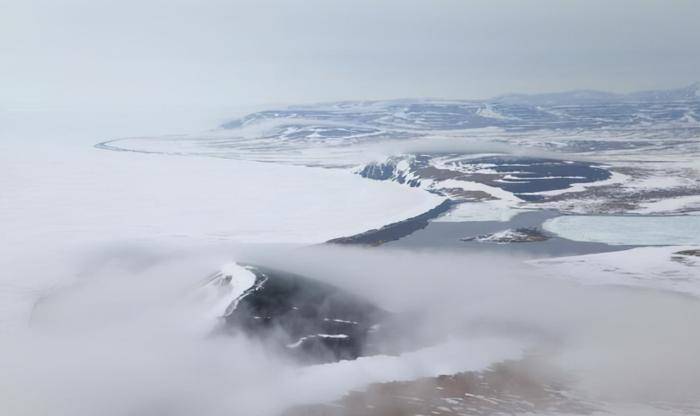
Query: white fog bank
{"points": [[61, 198]]}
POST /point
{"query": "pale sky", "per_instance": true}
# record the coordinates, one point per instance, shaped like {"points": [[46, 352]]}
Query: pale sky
{"points": [[209, 53]]}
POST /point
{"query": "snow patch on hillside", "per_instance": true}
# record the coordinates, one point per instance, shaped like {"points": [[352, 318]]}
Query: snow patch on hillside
{"points": [[222, 292], [670, 205]]}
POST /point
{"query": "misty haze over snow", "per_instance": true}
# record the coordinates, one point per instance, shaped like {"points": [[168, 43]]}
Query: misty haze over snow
{"points": [[349, 208]]}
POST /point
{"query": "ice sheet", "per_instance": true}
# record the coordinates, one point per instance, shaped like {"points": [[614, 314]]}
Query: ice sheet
{"points": [[627, 230]]}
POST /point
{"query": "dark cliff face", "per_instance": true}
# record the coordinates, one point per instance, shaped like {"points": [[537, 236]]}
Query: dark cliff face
{"points": [[378, 171], [394, 231], [308, 320], [389, 171]]}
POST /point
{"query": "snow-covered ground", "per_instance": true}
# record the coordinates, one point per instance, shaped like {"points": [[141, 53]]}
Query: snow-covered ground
{"points": [[689, 203], [663, 268], [91, 193], [665, 264], [647, 142]]}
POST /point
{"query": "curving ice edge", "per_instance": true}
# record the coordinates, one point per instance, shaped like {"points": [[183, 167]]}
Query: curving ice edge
{"points": [[226, 287]]}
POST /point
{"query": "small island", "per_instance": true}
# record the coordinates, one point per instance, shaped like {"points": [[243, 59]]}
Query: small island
{"points": [[518, 235]]}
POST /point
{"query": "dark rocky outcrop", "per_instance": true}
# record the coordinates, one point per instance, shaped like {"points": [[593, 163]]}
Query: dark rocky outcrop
{"points": [[312, 321], [396, 230]]}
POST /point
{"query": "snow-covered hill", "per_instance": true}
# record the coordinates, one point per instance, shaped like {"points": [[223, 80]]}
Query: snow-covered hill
{"points": [[587, 152]]}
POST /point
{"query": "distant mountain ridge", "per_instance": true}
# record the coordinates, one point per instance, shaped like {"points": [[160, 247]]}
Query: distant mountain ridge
{"points": [[688, 93], [355, 121]]}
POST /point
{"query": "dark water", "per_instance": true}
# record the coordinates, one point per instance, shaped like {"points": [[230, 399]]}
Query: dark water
{"points": [[447, 235], [538, 175]]}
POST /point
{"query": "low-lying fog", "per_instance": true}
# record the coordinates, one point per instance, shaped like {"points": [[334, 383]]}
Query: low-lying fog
{"points": [[131, 336]]}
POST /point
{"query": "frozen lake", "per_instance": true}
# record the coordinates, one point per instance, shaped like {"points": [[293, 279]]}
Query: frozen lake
{"points": [[621, 230], [441, 235]]}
